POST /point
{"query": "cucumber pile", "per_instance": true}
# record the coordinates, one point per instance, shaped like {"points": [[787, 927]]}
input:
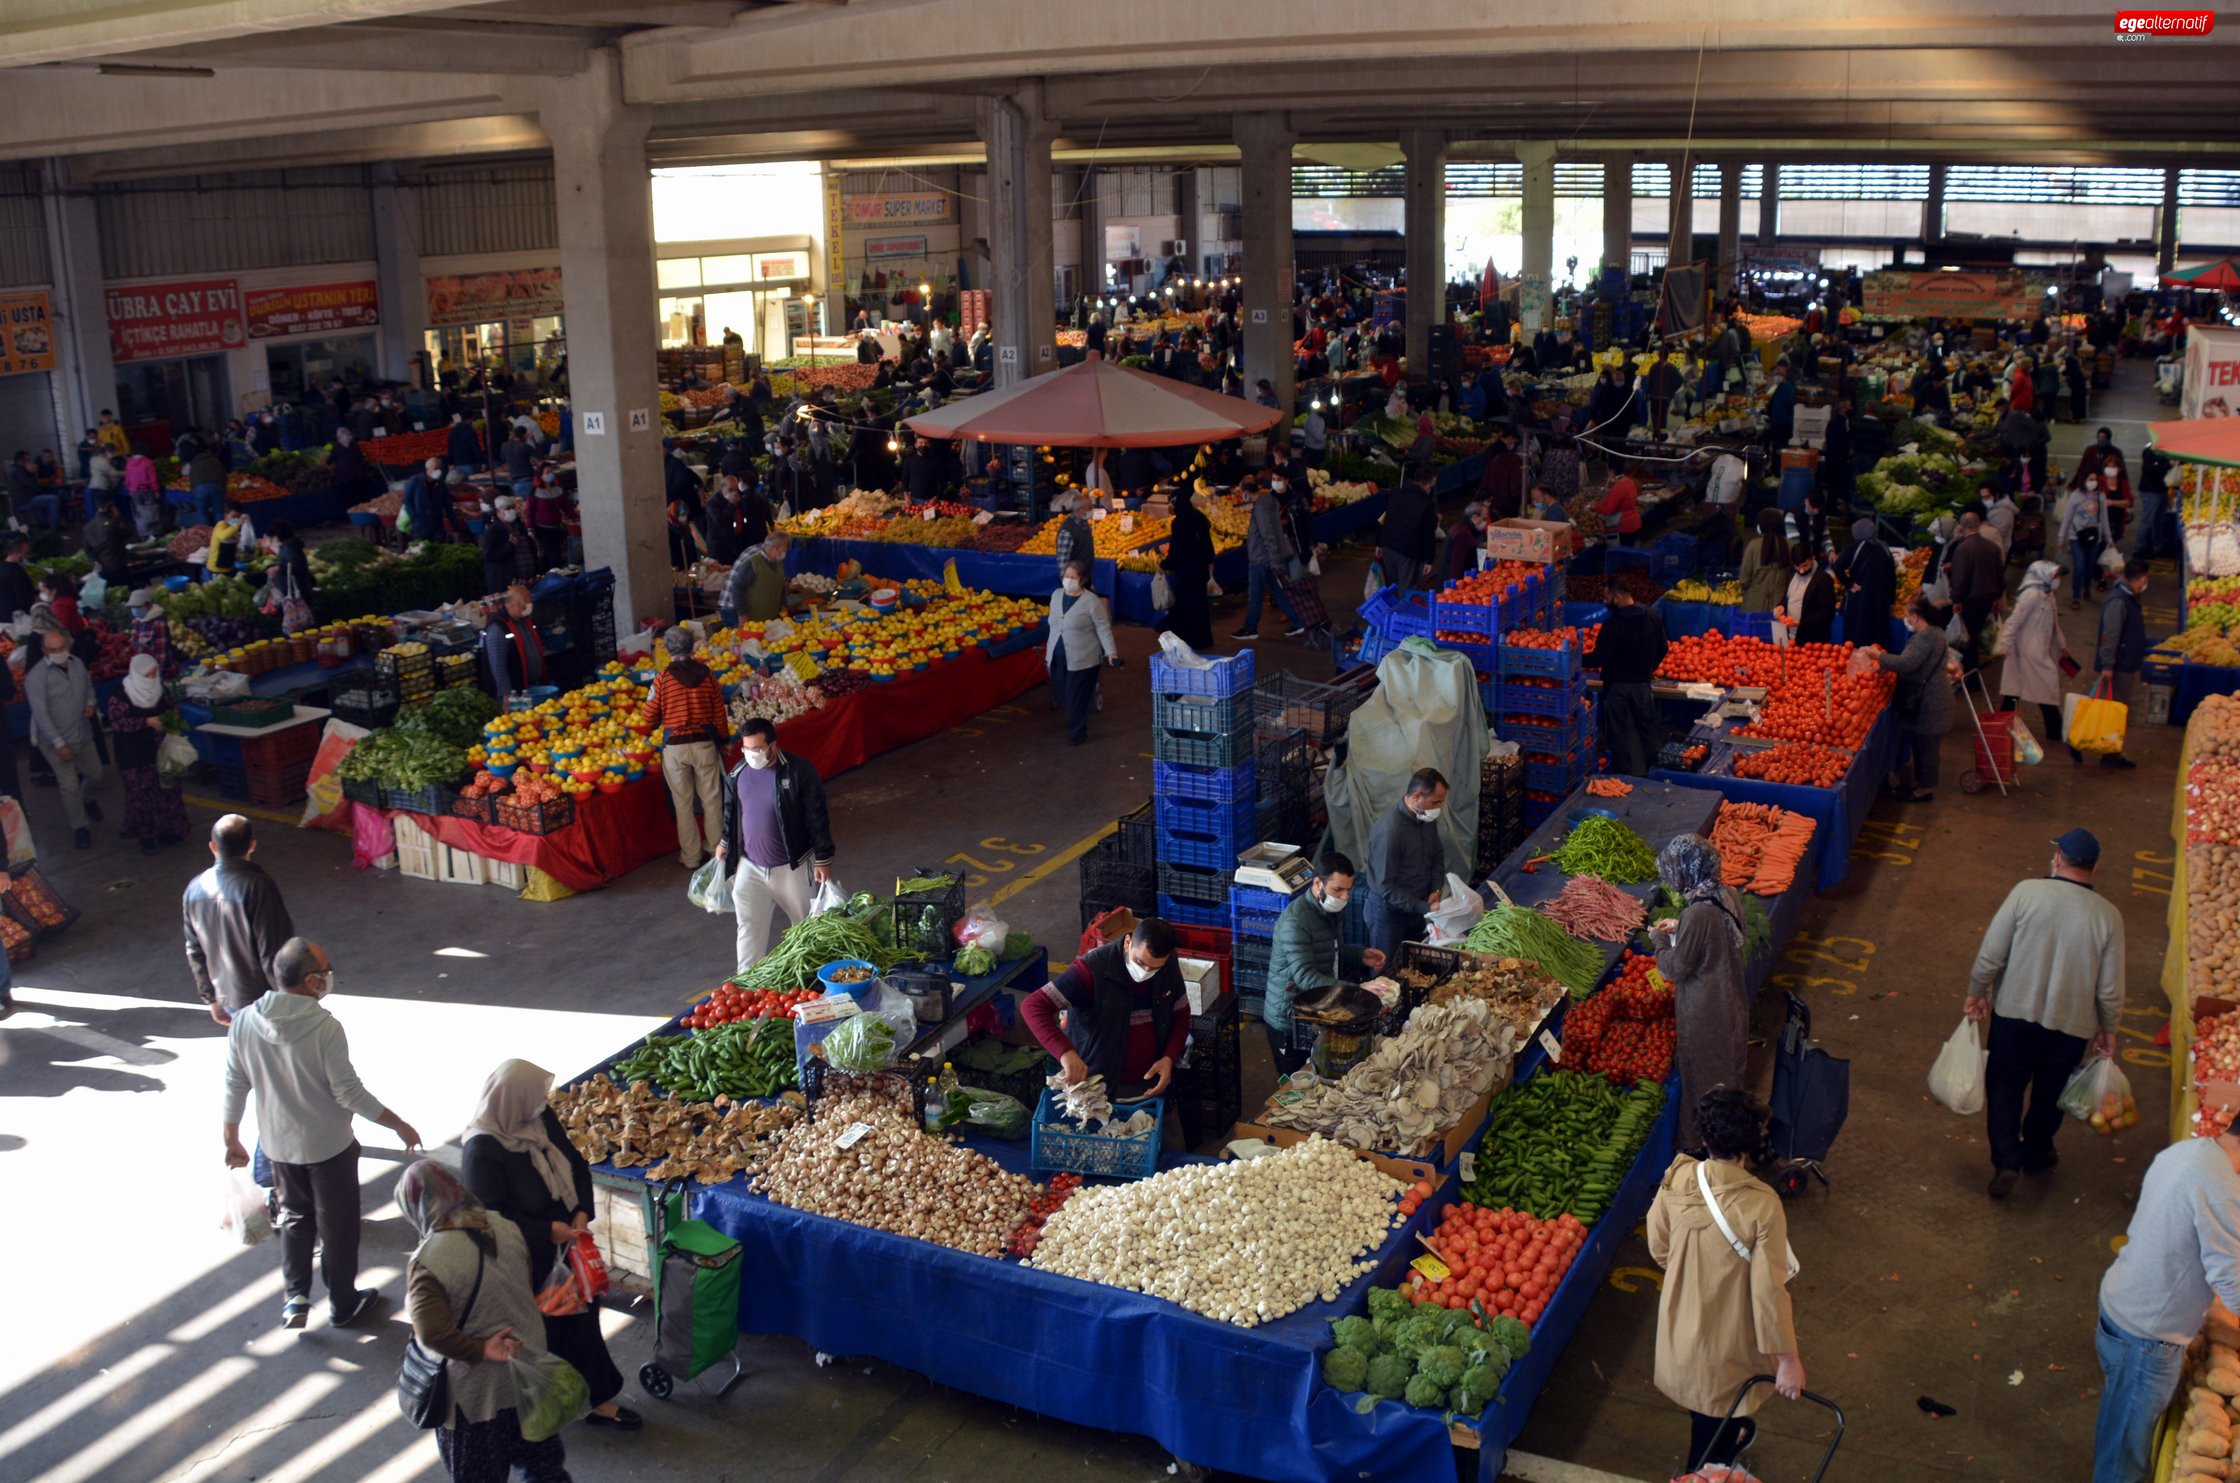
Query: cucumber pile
{"points": [[1562, 1143], [744, 1058]]}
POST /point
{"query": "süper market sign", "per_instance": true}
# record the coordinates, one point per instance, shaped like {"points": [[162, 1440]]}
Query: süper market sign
{"points": [[153, 321]]}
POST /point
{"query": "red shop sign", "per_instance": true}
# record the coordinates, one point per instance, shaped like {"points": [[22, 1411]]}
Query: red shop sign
{"points": [[312, 308], [151, 321]]}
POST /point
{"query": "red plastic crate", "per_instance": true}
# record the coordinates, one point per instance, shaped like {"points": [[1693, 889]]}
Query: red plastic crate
{"points": [[281, 749], [1211, 943]]}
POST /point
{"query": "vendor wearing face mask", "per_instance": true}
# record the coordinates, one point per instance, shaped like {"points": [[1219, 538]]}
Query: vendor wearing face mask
{"points": [[1407, 863], [777, 836], [1307, 956], [1127, 1013]]}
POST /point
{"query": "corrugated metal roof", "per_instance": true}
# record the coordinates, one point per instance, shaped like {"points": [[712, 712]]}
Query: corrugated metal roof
{"points": [[234, 222], [23, 228], [486, 208]]}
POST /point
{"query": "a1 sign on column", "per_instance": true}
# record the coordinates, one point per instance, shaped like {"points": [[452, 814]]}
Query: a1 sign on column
{"points": [[595, 424], [1259, 316]]}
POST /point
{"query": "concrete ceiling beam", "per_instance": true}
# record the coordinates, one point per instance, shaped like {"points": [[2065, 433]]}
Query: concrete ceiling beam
{"points": [[433, 45], [482, 138], [74, 30]]}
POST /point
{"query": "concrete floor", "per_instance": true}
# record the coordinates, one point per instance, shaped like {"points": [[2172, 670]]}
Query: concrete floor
{"points": [[143, 1347]]}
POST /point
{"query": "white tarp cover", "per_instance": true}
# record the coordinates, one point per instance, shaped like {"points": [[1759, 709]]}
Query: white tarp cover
{"points": [[1424, 713]]}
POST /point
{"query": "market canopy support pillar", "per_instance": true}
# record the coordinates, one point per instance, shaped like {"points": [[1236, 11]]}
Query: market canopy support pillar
{"points": [[1189, 214], [1264, 143], [1538, 219], [1088, 184], [85, 377], [1769, 203], [604, 206], [1617, 215], [1426, 151], [1680, 236], [1017, 138], [2166, 225], [1730, 226], [396, 251], [1932, 207]]}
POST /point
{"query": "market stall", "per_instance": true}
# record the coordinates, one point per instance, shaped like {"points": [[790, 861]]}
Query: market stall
{"points": [[2203, 658]]}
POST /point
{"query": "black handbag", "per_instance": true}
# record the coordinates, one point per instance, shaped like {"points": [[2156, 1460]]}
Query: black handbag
{"points": [[424, 1378]]}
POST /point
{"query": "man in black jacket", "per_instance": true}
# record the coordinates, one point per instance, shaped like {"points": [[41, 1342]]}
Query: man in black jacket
{"points": [[777, 838], [235, 923], [1409, 532], [1628, 651]]}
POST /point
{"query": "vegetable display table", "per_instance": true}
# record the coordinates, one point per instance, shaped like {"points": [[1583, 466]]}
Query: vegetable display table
{"points": [[1841, 812]]}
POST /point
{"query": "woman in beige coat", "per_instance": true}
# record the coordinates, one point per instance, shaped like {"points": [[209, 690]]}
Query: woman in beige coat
{"points": [[1722, 1318]]}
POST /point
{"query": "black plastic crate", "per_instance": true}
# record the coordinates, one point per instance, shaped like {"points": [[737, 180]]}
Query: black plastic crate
{"points": [[1118, 883], [1282, 703], [1203, 715], [1136, 833], [368, 701], [434, 798], [925, 920], [365, 791], [1194, 749], [536, 818]]}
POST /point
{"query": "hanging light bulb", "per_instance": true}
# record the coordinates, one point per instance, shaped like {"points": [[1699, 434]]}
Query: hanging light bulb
{"points": [[893, 446]]}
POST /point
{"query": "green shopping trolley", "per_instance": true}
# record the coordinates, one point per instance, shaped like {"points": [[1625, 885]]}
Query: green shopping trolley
{"points": [[695, 1297]]}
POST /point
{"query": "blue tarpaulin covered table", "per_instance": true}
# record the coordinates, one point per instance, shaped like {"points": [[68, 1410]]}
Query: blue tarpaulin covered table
{"points": [[1840, 812]]}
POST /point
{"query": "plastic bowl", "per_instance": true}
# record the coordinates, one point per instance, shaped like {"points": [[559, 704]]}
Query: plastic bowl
{"points": [[607, 787], [863, 993], [884, 600]]}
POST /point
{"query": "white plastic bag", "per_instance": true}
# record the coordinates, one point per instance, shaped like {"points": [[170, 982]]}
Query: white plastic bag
{"points": [[1956, 1079], [244, 1215], [981, 927], [708, 890], [1162, 593], [175, 757], [829, 897], [2026, 748], [1458, 911], [1371, 583]]}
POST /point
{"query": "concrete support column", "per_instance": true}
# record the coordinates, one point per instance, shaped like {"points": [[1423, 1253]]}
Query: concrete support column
{"points": [[1617, 214], [1769, 204], [1538, 157], [1730, 226], [1932, 207], [85, 378], [404, 304], [1426, 151], [1680, 243], [1088, 185], [2166, 225], [1190, 212], [605, 212], [1019, 234], [1264, 143]]}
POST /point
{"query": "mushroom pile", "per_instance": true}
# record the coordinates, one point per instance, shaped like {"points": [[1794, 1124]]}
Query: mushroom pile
{"points": [[634, 1126], [1246, 1242], [1522, 992], [863, 1160], [1414, 1087]]}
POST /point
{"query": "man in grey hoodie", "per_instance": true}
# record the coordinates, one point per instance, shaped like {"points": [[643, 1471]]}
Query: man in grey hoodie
{"points": [[61, 698], [292, 1053]]}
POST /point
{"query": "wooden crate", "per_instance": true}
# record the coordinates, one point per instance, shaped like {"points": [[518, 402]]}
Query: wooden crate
{"points": [[417, 849]]}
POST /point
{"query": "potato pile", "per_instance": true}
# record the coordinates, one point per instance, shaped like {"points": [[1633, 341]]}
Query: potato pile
{"points": [[633, 1127], [2205, 1438]]}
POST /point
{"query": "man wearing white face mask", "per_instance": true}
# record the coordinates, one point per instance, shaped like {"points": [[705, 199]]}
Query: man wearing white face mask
{"points": [[777, 836], [1126, 1013], [1307, 956], [293, 1054], [1406, 863]]}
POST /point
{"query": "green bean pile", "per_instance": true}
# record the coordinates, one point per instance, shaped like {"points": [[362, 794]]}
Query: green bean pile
{"points": [[1520, 932], [1607, 850], [807, 946]]}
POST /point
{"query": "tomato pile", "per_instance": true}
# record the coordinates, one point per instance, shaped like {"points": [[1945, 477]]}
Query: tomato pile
{"points": [[1566, 637], [1625, 1032], [1838, 711], [1490, 584], [1505, 1260], [1028, 1233], [1805, 763], [733, 1003]]}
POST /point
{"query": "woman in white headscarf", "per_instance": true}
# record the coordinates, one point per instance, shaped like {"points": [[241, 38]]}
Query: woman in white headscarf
{"points": [[154, 812], [517, 1161], [2035, 647]]}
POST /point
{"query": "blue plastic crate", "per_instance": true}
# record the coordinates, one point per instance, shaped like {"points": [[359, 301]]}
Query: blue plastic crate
{"points": [[1251, 951], [1213, 784], [1202, 818], [1396, 616], [1557, 701], [1054, 1145], [1537, 813], [1203, 884], [1558, 777], [1551, 664], [1545, 734], [1260, 898], [1245, 925], [1585, 614], [1193, 913], [1194, 749], [1672, 557], [1484, 658], [1252, 984], [1618, 558], [1453, 616], [1754, 626], [1220, 678], [1219, 853]]}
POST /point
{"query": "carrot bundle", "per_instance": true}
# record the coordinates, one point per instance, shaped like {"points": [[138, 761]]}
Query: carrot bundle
{"points": [[1760, 846]]}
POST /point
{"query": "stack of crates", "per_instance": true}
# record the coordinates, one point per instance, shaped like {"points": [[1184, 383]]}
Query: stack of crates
{"points": [[1500, 811], [1122, 869], [1541, 704], [1470, 627], [1287, 772], [411, 668], [1205, 783], [1252, 931], [1209, 1084], [1284, 708], [1672, 558]]}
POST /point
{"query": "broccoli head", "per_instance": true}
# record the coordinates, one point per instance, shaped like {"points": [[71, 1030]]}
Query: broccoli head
{"points": [[1480, 1344], [1418, 1332], [1345, 1369], [1388, 1377], [1426, 1392], [1485, 1379], [1469, 1401], [1455, 1324], [1443, 1363], [1514, 1336], [1356, 1333], [1389, 1303]]}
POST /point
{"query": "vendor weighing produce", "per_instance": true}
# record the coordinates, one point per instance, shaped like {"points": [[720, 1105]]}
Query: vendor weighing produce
{"points": [[1127, 1013], [1407, 863], [1307, 950]]}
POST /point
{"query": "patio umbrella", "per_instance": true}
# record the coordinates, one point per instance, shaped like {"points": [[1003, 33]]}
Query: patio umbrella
{"points": [[2198, 440], [2222, 274], [1096, 405]]}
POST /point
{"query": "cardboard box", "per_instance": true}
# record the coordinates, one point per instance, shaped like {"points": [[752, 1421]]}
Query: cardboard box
{"points": [[1201, 978], [1117, 926], [1529, 540]]}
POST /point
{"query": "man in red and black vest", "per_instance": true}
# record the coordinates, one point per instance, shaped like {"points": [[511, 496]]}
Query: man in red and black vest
{"points": [[1127, 1013], [513, 646]]}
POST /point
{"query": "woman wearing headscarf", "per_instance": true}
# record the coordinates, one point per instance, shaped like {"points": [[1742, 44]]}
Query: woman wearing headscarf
{"points": [[468, 1293], [518, 1162], [1699, 952], [154, 812], [1922, 701], [2035, 648], [1189, 566], [1870, 579]]}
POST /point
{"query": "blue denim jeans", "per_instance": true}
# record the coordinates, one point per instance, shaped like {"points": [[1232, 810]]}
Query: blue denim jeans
{"points": [[210, 502], [2148, 539], [2084, 565], [2142, 1374], [1260, 583]]}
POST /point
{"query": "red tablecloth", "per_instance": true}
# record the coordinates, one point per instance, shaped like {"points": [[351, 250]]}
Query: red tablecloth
{"points": [[856, 728], [615, 833]]}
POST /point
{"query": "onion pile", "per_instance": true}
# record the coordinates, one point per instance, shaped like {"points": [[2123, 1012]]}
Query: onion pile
{"points": [[1246, 1242]]}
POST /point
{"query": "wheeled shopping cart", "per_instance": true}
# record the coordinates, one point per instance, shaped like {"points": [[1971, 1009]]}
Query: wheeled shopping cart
{"points": [[1749, 1385], [1994, 740], [695, 1297], [1811, 1098]]}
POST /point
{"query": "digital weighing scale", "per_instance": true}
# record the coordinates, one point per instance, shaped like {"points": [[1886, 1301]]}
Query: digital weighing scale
{"points": [[1283, 868]]}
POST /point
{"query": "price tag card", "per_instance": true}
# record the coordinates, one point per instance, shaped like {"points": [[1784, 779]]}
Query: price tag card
{"points": [[853, 1136], [928, 513], [1469, 1167], [1431, 1267], [820, 1011], [1552, 1046]]}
